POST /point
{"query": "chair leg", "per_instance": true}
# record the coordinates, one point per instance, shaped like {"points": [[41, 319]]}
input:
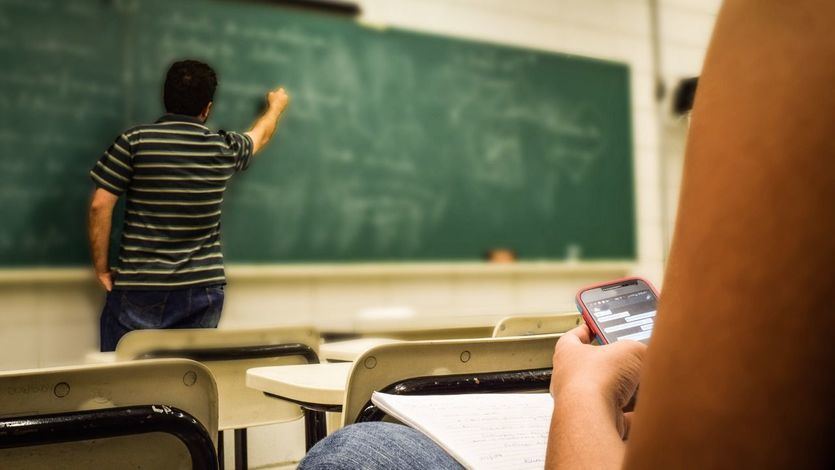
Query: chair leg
{"points": [[220, 458], [315, 427], [240, 450]]}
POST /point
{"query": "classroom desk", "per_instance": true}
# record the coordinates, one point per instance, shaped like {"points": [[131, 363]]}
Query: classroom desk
{"points": [[317, 388], [349, 350], [418, 327]]}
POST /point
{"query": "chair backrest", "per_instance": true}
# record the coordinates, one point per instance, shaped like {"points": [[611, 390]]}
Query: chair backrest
{"points": [[228, 353], [388, 364], [526, 325], [64, 416]]}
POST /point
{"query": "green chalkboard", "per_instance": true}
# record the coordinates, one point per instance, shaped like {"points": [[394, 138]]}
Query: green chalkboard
{"points": [[397, 145], [61, 99]]}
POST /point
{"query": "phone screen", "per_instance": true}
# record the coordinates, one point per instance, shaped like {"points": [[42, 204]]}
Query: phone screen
{"points": [[622, 311]]}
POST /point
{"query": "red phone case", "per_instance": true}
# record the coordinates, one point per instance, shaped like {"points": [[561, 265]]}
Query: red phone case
{"points": [[585, 311]]}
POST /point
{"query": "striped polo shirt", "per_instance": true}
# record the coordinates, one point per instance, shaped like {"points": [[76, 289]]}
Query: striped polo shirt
{"points": [[174, 173]]}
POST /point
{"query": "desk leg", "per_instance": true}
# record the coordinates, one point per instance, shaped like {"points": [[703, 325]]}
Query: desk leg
{"points": [[315, 427], [240, 450], [220, 456]]}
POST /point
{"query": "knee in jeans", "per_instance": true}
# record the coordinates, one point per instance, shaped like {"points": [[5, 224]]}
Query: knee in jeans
{"points": [[339, 449], [377, 445]]}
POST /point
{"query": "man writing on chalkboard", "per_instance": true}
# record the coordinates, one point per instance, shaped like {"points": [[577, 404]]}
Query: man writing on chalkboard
{"points": [[174, 174]]}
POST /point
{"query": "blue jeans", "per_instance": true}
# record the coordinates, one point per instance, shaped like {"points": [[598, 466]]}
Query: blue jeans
{"points": [[377, 446], [128, 310]]}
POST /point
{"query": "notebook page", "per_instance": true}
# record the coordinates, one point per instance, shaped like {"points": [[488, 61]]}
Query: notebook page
{"points": [[481, 431]]}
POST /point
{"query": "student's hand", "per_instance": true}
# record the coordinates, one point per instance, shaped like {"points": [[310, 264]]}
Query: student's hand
{"points": [[106, 280], [278, 99], [585, 372]]}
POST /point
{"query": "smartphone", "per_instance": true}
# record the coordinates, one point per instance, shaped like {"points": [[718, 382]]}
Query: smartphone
{"points": [[619, 310]]}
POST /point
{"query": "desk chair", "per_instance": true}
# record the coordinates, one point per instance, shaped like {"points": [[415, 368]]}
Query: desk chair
{"points": [[228, 353], [159, 414], [526, 325], [448, 367]]}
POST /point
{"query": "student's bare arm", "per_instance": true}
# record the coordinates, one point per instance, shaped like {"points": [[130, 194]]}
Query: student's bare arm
{"points": [[740, 369], [591, 385], [99, 222], [264, 128]]}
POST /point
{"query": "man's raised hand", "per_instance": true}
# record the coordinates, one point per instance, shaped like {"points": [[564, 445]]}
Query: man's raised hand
{"points": [[278, 99]]}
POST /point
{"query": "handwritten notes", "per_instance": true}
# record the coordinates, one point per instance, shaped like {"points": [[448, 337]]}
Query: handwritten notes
{"points": [[482, 431]]}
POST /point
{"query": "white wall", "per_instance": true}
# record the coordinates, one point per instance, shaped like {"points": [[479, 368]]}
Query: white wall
{"points": [[50, 323], [685, 28]]}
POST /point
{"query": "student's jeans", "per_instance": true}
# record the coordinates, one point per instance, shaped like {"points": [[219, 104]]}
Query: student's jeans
{"points": [[377, 446], [128, 310]]}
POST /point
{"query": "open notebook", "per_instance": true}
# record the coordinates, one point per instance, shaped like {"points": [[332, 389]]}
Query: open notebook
{"points": [[481, 431]]}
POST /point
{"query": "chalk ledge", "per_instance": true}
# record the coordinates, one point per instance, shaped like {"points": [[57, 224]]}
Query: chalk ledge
{"points": [[248, 272]]}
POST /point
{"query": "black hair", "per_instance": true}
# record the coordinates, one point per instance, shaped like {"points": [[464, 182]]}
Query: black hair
{"points": [[189, 86]]}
